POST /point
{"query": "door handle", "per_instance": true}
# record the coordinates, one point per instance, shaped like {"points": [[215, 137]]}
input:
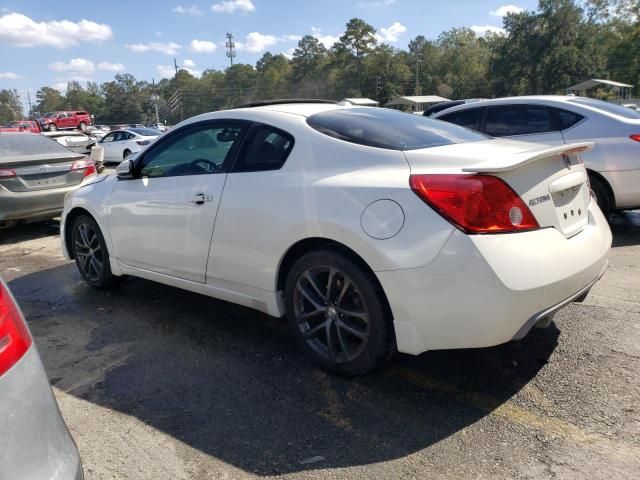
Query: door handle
{"points": [[200, 198]]}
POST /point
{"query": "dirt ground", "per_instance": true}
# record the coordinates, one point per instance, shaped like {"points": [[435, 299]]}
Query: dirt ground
{"points": [[158, 383]]}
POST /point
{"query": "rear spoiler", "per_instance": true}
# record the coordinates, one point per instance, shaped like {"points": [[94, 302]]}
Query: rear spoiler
{"points": [[516, 160]]}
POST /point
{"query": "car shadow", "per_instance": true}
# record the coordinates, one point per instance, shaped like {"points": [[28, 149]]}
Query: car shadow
{"points": [[230, 382], [625, 227], [29, 231]]}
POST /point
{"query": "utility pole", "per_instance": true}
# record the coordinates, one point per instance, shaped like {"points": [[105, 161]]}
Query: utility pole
{"points": [[155, 99], [231, 47], [378, 85], [418, 62], [29, 98]]}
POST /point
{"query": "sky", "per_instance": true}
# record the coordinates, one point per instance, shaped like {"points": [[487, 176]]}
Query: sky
{"points": [[45, 43]]}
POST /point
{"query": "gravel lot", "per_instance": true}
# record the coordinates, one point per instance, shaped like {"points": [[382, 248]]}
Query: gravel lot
{"points": [[157, 383]]}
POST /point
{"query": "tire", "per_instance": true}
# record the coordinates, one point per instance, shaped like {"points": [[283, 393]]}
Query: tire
{"points": [[125, 154], [82, 127], [602, 195], [52, 127], [350, 332], [91, 254], [7, 224]]}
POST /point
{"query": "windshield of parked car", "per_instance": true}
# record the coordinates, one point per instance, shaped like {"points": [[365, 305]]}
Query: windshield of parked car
{"points": [[145, 132], [50, 114], [391, 129], [607, 107]]}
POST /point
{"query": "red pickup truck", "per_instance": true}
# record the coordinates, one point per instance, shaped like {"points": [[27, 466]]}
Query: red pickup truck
{"points": [[22, 126], [53, 121]]}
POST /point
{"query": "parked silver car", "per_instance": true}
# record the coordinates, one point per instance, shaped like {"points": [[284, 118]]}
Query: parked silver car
{"points": [[614, 163], [34, 441], [35, 175]]}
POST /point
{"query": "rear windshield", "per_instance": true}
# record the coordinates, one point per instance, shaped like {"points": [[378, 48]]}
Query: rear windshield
{"points": [[145, 132], [390, 129], [607, 107], [28, 144]]}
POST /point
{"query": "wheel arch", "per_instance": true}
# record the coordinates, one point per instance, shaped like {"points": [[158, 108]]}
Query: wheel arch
{"points": [[68, 225], [612, 195], [300, 248]]}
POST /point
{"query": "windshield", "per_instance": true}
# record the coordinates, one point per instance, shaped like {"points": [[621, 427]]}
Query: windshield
{"points": [[385, 128], [50, 114], [607, 107], [13, 124], [145, 132]]}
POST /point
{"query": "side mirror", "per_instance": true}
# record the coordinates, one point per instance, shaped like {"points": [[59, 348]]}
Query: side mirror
{"points": [[124, 170]]}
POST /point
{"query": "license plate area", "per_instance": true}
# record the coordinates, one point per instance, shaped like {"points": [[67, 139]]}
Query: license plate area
{"points": [[572, 209]]}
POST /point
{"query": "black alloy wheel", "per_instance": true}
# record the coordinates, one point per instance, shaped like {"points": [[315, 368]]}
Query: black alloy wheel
{"points": [[336, 313], [90, 253]]}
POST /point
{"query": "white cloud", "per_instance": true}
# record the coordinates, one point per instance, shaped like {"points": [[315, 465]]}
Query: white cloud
{"points": [[192, 10], [484, 29], [9, 76], [61, 87], [165, 71], [231, 6], [77, 66], [380, 3], [391, 33], [188, 63], [202, 46], [289, 53], [257, 42], [291, 38], [22, 31], [505, 9], [168, 48], [326, 40], [111, 67]]}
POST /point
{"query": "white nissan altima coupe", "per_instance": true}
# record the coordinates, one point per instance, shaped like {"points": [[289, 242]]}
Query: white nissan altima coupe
{"points": [[371, 230]]}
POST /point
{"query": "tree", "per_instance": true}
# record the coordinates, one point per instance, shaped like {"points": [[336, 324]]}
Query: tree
{"points": [[48, 100], [10, 106], [358, 39], [274, 72]]}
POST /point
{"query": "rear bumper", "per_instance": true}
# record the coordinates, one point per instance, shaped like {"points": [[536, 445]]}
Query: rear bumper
{"points": [[483, 290], [32, 205], [36, 444]]}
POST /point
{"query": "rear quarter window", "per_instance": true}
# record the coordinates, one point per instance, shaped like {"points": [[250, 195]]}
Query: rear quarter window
{"points": [[389, 129], [567, 119], [469, 118]]}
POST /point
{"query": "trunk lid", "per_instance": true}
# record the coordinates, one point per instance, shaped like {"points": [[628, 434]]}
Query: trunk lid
{"points": [[42, 175], [38, 162], [552, 181]]}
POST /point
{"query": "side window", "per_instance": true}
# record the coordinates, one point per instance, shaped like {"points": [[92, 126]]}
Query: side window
{"points": [[197, 151], [128, 136], [266, 149], [108, 138], [567, 119], [465, 118], [518, 120]]}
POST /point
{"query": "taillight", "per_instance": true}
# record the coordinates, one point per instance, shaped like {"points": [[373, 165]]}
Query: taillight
{"points": [[635, 137], [6, 173], [143, 142], [475, 203], [87, 165], [14, 336]]}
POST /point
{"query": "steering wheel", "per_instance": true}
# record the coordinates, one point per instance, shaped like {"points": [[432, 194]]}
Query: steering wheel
{"points": [[206, 165]]}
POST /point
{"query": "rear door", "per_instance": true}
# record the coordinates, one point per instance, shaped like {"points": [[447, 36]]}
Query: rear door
{"points": [[529, 123]]}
